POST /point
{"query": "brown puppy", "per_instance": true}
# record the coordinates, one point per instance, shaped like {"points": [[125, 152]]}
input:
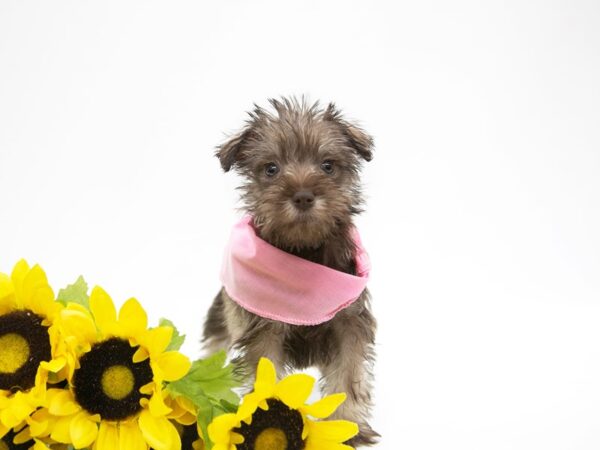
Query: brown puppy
{"points": [[301, 169]]}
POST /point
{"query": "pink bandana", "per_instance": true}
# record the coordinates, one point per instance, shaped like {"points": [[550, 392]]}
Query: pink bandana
{"points": [[277, 285]]}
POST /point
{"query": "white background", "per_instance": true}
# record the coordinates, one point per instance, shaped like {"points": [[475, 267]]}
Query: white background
{"points": [[484, 195]]}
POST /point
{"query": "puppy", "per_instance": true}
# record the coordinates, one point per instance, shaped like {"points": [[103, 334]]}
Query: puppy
{"points": [[300, 165]]}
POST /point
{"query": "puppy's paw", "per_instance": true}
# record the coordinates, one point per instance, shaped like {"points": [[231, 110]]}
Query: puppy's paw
{"points": [[366, 437]]}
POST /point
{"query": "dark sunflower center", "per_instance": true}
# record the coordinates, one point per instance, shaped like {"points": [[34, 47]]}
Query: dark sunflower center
{"points": [[24, 343], [6, 443], [108, 382], [189, 435], [278, 428]]}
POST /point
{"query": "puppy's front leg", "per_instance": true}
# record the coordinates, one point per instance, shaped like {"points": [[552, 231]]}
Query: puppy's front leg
{"points": [[254, 337], [216, 334], [349, 371]]}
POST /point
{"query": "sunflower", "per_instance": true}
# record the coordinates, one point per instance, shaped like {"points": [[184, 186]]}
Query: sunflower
{"points": [[115, 397], [30, 354], [20, 439], [184, 417], [275, 417]]}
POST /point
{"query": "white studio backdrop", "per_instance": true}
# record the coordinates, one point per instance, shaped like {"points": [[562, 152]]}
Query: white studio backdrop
{"points": [[483, 215]]}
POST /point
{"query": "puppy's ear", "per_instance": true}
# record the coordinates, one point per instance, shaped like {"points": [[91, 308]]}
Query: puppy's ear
{"points": [[358, 139], [229, 152]]}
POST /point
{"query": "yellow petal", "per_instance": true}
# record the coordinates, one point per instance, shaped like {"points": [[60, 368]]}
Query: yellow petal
{"points": [[61, 430], [130, 436], [39, 422], [148, 388], [36, 291], [63, 404], [157, 431], [102, 308], [224, 447], [37, 426], [174, 438], [312, 445], [219, 430], [18, 409], [18, 275], [157, 405], [77, 321], [19, 271], [83, 430], [7, 294], [34, 278], [39, 445], [325, 407], [22, 437], [42, 302], [265, 373], [248, 407], [55, 365], [173, 365], [293, 390], [187, 419], [141, 354], [20, 427], [337, 431], [236, 438], [263, 405], [185, 404], [266, 379], [183, 410], [156, 339], [133, 317], [108, 437]]}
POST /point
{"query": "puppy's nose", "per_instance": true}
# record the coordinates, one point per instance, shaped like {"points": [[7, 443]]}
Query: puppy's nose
{"points": [[303, 200]]}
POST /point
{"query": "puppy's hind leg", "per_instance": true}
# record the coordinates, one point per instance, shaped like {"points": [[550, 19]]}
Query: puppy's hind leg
{"points": [[349, 371], [216, 334]]}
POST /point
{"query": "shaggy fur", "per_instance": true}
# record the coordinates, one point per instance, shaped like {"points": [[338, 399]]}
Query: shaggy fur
{"points": [[314, 151]]}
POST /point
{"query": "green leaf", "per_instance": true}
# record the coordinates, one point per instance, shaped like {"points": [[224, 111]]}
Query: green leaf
{"points": [[75, 293], [206, 413], [215, 378], [209, 378], [209, 386], [177, 339], [228, 407]]}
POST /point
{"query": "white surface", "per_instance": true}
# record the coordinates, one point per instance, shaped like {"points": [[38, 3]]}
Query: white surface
{"points": [[484, 192]]}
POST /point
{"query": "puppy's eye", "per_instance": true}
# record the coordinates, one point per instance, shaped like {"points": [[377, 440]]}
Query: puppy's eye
{"points": [[327, 166], [271, 169]]}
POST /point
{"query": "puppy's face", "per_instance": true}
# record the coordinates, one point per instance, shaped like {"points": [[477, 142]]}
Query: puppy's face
{"points": [[301, 169]]}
